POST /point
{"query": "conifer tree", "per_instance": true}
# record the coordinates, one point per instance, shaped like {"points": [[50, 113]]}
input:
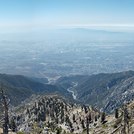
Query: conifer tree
{"points": [[13, 125], [116, 113], [74, 118], [103, 117], [83, 125], [126, 120], [90, 117], [87, 124]]}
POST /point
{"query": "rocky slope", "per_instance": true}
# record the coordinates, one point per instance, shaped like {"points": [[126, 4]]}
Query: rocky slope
{"points": [[55, 115], [106, 91], [52, 114]]}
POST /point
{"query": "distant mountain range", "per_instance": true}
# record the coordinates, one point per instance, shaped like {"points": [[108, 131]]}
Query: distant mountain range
{"points": [[88, 34]]}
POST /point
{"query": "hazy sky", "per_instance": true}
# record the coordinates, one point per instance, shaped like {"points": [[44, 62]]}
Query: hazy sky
{"points": [[19, 15]]}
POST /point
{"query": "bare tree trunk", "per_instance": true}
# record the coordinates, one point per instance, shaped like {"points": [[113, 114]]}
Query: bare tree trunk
{"points": [[87, 124], [126, 121], [5, 103]]}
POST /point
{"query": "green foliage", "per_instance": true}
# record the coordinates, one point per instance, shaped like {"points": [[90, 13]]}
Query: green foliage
{"points": [[20, 132], [13, 125], [36, 129], [59, 130]]}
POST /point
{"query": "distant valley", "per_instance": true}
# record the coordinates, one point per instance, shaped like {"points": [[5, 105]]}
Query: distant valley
{"points": [[78, 51], [103, 91]]}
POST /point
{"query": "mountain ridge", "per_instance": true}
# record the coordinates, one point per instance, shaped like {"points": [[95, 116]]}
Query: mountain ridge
{"points": [[19, 87], [104, 91], [100, 90]]}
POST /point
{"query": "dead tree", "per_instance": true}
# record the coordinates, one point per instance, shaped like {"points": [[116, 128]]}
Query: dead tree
{"points": [[103, 117], [116, 113], [125, 129], [87, 124], [5, 105]]}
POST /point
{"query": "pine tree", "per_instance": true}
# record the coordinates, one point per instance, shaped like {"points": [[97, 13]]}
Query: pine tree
{"points": [[59, 130], [103, 117], [90, 117], [116, 113], [74, 118], [96, 118], [13, 125], [87, 124], [83, 125], [85, 109], [126, 120]]}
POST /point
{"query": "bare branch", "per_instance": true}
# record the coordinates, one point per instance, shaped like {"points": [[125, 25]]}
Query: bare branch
{"points": [[2, 120]]}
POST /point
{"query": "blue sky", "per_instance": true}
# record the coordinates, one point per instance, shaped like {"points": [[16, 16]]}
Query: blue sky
{"points": [[17, 15]]}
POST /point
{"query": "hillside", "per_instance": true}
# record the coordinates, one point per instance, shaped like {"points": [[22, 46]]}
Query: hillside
{"points": [[18, 87], [54, 114], [106, 91]]}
